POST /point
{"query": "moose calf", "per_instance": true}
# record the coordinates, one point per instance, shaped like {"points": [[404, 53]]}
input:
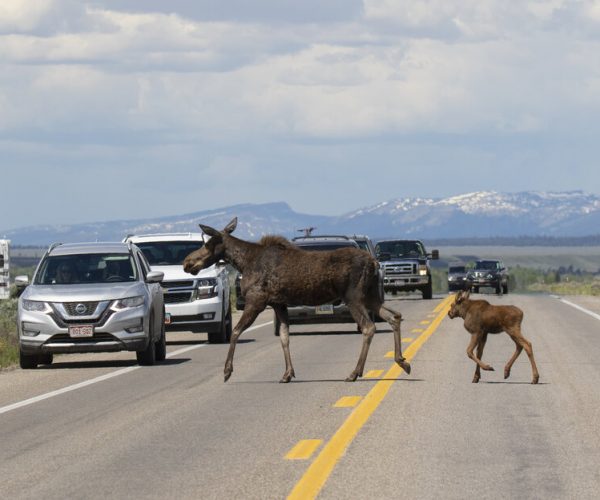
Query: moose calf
{"points": [[482, 318]]}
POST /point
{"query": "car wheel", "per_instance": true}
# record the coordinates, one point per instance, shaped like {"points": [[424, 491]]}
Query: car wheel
{"points": [[229, 326], [28, 361], [220, 336], [499, 289], [45, 359], [161, 346], [428, 291], [147, 357], [505, 288], [475, 289]]}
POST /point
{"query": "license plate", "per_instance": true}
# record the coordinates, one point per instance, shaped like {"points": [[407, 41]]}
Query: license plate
{"points": [[81, 331], [324, 309], [167, 318]]}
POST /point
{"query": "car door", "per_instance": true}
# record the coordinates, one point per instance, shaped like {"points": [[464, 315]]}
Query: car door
{"points": [[154, 291]]}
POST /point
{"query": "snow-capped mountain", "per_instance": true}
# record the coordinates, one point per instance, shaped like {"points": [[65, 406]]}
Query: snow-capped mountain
{"points": [[479, 214]]}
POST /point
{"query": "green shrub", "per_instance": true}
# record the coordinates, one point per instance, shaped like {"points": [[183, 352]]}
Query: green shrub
{"points": [[9, 353]]}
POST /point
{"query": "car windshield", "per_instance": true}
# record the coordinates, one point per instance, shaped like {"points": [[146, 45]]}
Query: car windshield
{"points": [[86, 268], [168, 253], [400, 248], [487, 265], [457, 269], [326, 246]]}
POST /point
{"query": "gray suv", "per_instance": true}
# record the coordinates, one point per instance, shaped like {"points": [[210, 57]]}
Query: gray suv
{"points": [[91, 297]]}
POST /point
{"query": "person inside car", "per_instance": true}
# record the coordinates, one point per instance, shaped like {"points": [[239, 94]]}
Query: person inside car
{"points": [[65, 274]]}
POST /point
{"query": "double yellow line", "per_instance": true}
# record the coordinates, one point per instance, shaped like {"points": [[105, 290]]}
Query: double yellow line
{"points": [[320, 469]]}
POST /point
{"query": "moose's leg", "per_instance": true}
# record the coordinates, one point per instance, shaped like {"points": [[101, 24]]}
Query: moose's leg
{"points": [[480, 347], [475, 339], [251, 311], [394, 319], [284, 335], [517, 336], [367, 327]]}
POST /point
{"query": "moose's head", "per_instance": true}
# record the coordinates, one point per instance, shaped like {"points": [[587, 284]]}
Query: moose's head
{"points": [[211, 252], [458, 306]]}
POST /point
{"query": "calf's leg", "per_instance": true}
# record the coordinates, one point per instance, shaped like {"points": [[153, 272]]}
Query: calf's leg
{"points": [[367, 327], [480, 347], [518, 338], [475, 339], [284, 335]]}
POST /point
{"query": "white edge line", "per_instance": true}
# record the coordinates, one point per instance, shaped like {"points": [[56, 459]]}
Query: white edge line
{"points": [[101, 378], [582, 309]]}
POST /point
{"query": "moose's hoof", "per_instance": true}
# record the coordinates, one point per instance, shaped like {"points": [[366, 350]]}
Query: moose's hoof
{"points": [[506, 374], [352, 377], [536, 379], [405, 365], [488, 368], [227, 374], [475, 380]]}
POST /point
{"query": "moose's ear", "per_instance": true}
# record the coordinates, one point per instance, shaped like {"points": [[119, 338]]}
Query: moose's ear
{"points": [[459, 297], [231, 226], [466, 294], [208, 230]]}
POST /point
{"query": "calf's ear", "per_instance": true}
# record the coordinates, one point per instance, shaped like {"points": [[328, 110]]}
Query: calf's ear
{"points": [[208, 230]]}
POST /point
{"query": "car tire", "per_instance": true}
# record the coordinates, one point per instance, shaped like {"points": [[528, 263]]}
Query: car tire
{"points": [[428, 291], [28, 361], [505, 289], [45, 359], [147, 357], [475, 289], [499, 289], [220, 336], [229, 326], [161, 345]]}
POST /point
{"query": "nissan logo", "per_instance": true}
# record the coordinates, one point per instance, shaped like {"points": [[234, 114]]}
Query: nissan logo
{"points": [[80, 308]]}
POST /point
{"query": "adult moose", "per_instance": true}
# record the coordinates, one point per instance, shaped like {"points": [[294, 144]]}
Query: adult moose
{"points": [[278, 274], [482, 318]]}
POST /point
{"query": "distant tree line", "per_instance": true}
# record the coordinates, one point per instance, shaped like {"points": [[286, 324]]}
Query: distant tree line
{"points": [[518, 241]]}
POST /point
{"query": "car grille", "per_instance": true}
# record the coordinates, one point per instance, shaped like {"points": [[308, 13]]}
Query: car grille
{"points": [[177, 298], [400, 269], [87, 310], [98, 337], [177, 284]]}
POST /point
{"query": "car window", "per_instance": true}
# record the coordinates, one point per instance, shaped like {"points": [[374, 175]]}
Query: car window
{"points": [[400, 248], [487, 265], [168, 253], [86, 268], [457, 269]]}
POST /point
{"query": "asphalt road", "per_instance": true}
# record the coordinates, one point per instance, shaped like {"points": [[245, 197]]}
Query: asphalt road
{"points": [[99, 426]]}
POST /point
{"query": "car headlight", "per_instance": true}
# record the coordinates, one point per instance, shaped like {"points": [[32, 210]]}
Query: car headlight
{"points": [[207, 288], [422, 270], [35, 306], [128, 303]]}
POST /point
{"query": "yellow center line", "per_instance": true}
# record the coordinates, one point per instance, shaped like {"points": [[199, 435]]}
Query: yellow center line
{"points": [[373, 374], [304, 449], [417, 330], [347, 402], [320, 469]]}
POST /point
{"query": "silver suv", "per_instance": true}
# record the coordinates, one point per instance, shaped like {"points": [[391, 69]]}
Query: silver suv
{"points": [[91, 297]]}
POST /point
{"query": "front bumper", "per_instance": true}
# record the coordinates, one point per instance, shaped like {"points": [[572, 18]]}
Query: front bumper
{"points": [[405, 282], [203, 315], [327, 313], [45, 333]]}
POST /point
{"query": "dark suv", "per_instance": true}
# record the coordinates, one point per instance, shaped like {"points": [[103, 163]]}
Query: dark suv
{"points": [[457, 278], [489, 273]]}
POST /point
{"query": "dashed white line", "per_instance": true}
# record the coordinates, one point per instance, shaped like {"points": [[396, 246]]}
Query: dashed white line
{"points": [[578, 307]]}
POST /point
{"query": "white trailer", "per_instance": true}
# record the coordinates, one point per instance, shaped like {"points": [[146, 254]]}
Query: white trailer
{"points": [[4, 270]]}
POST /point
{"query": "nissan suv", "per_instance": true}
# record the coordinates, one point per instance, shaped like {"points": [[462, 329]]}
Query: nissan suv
{"points": [[91, 297], [200, 303]]}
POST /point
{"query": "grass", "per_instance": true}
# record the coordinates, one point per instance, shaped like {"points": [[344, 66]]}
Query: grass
{"points": [[9, 352]]}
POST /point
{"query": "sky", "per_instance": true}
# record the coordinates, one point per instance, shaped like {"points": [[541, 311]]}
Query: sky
{"points": [[125, 109]]}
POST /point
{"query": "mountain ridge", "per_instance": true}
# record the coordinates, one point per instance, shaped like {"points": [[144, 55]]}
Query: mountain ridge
{"points": [[481, 214]]}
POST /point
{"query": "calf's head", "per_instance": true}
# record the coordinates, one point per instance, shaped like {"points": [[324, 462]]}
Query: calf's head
{"points": [[211, 252], [458, 306]]}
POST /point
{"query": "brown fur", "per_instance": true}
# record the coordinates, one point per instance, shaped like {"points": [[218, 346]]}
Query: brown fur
{"points": [[279, 274], [480, 318]]}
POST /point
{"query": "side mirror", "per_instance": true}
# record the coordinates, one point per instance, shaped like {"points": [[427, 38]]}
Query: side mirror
{"points": [[21, 281], [435, 254], [384, 256], [155, 277]]}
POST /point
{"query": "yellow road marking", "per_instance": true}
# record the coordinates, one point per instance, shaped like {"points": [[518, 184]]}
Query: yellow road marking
{"points": [[321, 467], [425, 322], [304, 449], [347, 402], [373, 374], [417, 330]]}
